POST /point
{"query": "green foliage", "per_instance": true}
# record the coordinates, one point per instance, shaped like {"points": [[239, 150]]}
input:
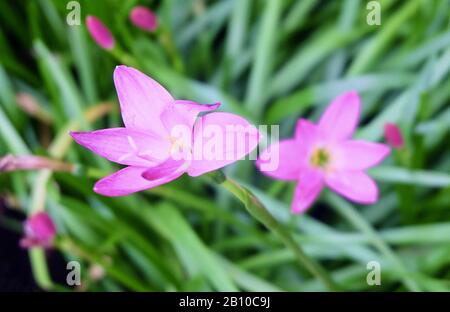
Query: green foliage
{"points": [[273, 62]]}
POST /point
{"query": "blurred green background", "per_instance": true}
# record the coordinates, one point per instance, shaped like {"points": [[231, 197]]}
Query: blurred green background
{"points": [[271, 61]]}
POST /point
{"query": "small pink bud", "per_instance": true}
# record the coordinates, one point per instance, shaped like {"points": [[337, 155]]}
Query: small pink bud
{"points": [[100, 32], [144, 18], [39, 231], [393, 135]]}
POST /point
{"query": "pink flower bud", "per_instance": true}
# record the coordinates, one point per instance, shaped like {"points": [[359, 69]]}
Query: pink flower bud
{"points": [[39, 231], [144, 18], [100, 32], [393, 135]]}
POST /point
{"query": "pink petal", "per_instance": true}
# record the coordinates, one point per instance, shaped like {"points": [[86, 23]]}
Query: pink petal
{"points": [[143, 18], [280, 160], [221, 139], [129, 180], [309, 186], [393, 135], [125, 146], [100, 33], [355, 185], [184, 113], [142, 99], [167, 168], [358, 155], [308, 134], [341, 117]]}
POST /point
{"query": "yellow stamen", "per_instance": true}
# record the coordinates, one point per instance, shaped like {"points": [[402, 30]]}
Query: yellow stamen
{"points": [[320, 158]]}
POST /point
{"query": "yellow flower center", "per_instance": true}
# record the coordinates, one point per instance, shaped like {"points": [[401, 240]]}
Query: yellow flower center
{"points": [[320, 158]]}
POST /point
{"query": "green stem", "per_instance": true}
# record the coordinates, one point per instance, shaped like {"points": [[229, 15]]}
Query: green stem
{"points": [[257, 210]]}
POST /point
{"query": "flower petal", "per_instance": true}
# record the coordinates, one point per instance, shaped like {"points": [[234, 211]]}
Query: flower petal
{"points": [[129, 180], [184, 113], [358, 155], [308, 135], [280, 160], [221, 139], [341, 117], [310, 184], [355, 185], [125, 146], [167, 168], [142, 99]]}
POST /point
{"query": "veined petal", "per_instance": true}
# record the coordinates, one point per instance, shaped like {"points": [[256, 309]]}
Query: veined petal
{"points": [[280, 160], [125, 146], [341, 117], [358, 155], [221, 139], [142, 99], [310, 184], [355, 185], [129, 180]]}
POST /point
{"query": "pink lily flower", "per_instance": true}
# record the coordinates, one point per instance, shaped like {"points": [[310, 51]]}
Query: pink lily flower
{"points": [[393, 135], [100, 33], [324, 154], [163, 137], [39, 231], [144, 18]]}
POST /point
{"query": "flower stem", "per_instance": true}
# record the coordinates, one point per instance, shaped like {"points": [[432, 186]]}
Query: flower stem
{"points": [[258, 211]]}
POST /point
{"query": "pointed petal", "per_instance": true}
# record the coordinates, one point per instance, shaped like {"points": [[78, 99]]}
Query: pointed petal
{"points": [[125, 146], [142, 99], [129, 180], [359, 155], [341, 117], [355, 185], [280, 160], [310, 184], [167, 168], [184, 113], [219, 140]]}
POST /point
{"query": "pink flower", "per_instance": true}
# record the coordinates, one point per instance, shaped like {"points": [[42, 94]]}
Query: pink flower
{"points": [[324, 154], [393, 135], [144, 18], [163, 137], [100, 32], [39, 231]]}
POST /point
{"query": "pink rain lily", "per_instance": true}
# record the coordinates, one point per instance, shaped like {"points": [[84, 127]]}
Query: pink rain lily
{"points": [[324, 154], [154, 144], [393, 135], [144, 18], [39, 231], [100, 33]]}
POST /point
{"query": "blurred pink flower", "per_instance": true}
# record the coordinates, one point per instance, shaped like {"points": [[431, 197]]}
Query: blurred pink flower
{"points": [[393, 135], [39, 231], [100, 32], [163, 137], [324, 154], [144, 18]]}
